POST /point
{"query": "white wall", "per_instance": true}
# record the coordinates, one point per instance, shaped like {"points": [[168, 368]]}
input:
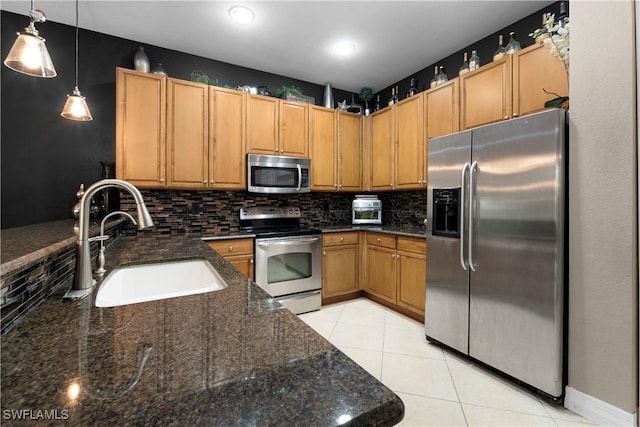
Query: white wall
{"points": [[603, 261]]}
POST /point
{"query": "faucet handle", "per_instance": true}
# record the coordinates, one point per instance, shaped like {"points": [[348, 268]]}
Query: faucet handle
{"points": [[100, 238]]}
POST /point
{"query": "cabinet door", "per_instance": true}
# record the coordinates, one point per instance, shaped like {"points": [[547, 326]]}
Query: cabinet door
{"points": [[140, 128], [294, 129], [381, 272], [244, 264], [350, 152], [339, 270], [536, 70], [412, 278], [442, 109], [486, 94], [409, 144], [262, 122], [323, 148], [227, 142], [381, 150], [187, 134]]}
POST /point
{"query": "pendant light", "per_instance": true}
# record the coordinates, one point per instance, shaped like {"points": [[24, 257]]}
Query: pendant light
{"points": [[29, 54], [76, 107]]}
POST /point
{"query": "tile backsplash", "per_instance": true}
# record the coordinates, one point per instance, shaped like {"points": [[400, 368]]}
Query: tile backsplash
{"points": [[215, 212]]}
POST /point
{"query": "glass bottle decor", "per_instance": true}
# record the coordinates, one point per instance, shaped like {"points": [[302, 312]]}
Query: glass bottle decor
{"points": [[465, 66], [434, 81], [141, 60], [441, 78], [159, 70], [513, 45], [501, 49], [376, 107], [412, 88], [474, 62]]}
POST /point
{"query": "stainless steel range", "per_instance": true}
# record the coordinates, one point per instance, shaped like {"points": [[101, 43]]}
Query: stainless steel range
{"points": [[288, 262]]}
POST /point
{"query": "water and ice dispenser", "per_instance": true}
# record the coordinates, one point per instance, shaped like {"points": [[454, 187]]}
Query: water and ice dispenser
{"points": [[446, 212]]}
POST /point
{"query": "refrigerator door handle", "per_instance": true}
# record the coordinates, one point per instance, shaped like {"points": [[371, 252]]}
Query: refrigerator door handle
{"points": [[472, 189], [463, 174]]}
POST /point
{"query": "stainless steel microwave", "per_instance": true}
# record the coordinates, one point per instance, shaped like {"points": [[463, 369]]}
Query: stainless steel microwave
{"points": [[278, 174]]}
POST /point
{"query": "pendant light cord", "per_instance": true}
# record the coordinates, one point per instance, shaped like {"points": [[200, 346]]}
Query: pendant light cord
{"points": [[76, 43]]}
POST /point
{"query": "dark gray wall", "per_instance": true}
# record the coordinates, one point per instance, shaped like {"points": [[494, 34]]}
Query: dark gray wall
{"points": [[44, 158]]}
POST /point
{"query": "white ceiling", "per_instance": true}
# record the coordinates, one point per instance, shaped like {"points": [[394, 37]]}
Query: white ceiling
{"points": [[295, 38]]}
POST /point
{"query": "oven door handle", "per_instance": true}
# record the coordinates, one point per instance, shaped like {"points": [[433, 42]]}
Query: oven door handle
{"points": [[287, 242]]}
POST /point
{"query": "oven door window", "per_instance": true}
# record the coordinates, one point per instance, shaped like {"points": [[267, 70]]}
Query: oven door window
{"points": [[289, 266], [364, 214]]}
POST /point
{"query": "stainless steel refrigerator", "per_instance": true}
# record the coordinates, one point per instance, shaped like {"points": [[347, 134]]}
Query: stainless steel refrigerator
{"points": [[496, 246]]}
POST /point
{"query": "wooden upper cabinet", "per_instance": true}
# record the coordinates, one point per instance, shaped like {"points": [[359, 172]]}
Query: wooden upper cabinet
{"points": [[294, 129], [350, 152], [485, 94], [227, 139], [263, 125], [409, 169], [442, 109], [381, 152], [323, 148], [187, 134], [140, 128], [536, 69]]}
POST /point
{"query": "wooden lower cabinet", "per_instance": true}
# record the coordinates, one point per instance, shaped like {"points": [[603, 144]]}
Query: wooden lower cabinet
{"points": [[238, 252], [340, 266], [395, 272]]}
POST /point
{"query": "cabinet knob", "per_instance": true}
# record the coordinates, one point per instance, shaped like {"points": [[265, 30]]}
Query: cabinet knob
{"points": [[251, 261], [506, 117], [342, 239], [161, 179], [335, 185], [281, 150], [340, 186], [205, 181], [324, 253], [276, 150], [378, 240], [515, 114], [230, 248]]}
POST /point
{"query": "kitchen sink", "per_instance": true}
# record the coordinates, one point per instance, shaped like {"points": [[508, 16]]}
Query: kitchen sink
{"points": [[151, 282]]}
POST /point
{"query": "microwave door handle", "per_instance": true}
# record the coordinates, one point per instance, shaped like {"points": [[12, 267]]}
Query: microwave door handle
{"points": [[299, 176]]}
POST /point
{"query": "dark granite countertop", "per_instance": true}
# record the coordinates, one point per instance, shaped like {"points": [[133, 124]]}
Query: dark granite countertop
{"points": [[229, 357], [21, 246]]}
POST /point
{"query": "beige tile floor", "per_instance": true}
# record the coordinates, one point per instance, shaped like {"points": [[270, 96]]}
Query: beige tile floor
{"points": [[437, 387]]}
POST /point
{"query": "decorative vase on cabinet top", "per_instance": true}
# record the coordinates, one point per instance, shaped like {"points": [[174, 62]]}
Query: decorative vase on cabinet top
{"points": [[141, 60]]}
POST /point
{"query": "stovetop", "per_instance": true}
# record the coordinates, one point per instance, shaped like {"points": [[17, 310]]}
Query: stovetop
{"points": [[274, 221]]}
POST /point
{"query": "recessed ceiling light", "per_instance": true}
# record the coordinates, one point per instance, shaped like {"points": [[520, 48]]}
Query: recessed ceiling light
{"points": [[242, 15], [344, 48]]}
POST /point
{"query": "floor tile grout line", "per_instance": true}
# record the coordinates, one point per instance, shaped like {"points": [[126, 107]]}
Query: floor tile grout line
{"points": [[510, 411], [455, 387]]}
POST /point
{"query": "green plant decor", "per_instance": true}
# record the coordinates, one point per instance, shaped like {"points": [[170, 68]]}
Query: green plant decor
{"points": [[280, 93], [366, 94]]}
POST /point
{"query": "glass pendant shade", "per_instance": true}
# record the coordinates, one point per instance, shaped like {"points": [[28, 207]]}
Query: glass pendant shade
{"points": [[29, 55], [76, 107]]}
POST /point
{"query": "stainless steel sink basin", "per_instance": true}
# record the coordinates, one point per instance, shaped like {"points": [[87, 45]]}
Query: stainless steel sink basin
{"points": [[151, 282]]}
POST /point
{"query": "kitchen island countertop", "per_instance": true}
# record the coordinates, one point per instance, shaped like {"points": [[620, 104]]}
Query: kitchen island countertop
{"points": [[229, 357]]}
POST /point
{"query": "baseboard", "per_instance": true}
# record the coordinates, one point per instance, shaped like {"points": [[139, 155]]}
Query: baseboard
{"points": [[596, 410]]}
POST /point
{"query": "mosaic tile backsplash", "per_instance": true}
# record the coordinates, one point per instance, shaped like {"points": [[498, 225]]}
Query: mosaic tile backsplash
{"points": [[214, 212]]}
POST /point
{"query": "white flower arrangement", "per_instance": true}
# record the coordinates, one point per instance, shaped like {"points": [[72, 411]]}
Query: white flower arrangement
{"points": [[556, 36]]}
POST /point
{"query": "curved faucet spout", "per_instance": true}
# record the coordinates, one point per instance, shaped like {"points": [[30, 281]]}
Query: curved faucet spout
{"points": [[83, 280]]}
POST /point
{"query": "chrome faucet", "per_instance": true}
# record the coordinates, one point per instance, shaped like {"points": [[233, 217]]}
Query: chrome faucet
{"points": [[83, 281]]}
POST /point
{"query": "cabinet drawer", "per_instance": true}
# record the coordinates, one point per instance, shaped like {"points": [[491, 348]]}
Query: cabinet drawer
{"points": [[331, 239], [232, 246], [412, 245], [381, 240]]}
